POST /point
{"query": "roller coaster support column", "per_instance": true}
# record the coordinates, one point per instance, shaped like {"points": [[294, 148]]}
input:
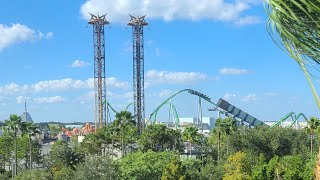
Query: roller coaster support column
{"points": [[199, 123], [170, 108]]}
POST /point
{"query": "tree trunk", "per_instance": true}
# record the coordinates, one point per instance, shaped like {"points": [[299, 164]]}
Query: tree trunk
{"points": [[122, 142], [112, 148], [218, 147], [311, 143], [318, 166], [227, 146], [15, 152], [190, 147], [30, 152]]}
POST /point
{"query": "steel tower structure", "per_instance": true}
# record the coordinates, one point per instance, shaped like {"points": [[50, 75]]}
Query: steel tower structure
{"points": [[137, 24], [98, 23]]}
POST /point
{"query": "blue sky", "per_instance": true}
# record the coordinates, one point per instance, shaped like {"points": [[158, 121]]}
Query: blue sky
{"points": [[218, 47]]}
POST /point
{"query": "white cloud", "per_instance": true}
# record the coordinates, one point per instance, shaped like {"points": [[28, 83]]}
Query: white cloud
{"points": [[49, 35], [40, 100], [159, 77], [228, 96], [233, 71], [22, 99], [247, 20], [59, 85], [17, 33], [249, 97], [114, 82], [221, 10], [79, 63], [53, 99]]}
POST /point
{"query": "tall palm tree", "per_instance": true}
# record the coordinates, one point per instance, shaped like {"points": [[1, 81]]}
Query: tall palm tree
{"points": [[13, 125], [313, 127], [191, 135], [229, 126], [123, 119], [224, 127], [218, 128], [31, 130]]}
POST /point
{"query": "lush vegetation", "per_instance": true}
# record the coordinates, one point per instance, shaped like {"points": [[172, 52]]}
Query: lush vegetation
{"points": [[117, 152]]}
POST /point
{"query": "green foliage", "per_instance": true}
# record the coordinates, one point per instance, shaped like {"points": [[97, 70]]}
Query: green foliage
{"points": [[270, 142], [100, 168], [292, 167], [221, 132], [4, 177], [23, 150], [54, 130], [64, 173], [174, 170], [146, 166], [287, 168], [310, 168], [237, 167], [260, 169], [313, 125], [313, 129], [91, 144], [191, 135], [192, 168], [35, 174], [62, 155], [160, 138], [294, 27], [6, 147], [212, 171], [124, 129], [273, 170]]}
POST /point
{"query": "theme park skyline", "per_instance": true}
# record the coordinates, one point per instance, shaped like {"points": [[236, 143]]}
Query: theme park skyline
{"points": [[46, 59]]}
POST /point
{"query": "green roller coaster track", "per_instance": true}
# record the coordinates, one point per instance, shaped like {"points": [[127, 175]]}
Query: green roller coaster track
{"points": [[109, 105], [175, 112], [153, 115], [294, 118], [191, 91], [129, 106]]}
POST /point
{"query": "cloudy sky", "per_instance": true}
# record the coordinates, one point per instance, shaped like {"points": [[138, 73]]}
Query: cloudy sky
{"points": [[218, 47]]}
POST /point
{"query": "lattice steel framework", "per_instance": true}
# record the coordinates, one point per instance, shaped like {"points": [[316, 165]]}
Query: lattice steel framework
{"points": [[98, 23], [137, 24]]}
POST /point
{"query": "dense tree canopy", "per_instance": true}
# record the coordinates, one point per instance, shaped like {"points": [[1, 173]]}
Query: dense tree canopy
{"points": [[245, 153]]}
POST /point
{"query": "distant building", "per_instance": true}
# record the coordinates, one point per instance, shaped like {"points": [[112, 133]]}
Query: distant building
{"points": [[63, 137], [188, 120], [26, 117], [207, 122]]}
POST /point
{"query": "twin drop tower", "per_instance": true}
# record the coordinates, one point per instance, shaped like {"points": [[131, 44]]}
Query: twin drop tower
{"points": [[100, 102]]}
